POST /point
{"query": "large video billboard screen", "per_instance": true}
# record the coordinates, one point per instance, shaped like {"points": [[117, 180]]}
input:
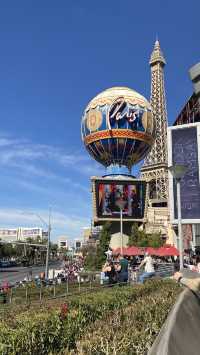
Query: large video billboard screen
{"points": [[185, 150], [110, 195]]}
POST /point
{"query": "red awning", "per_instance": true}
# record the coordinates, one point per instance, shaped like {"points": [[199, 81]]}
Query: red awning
{"points": [[133, 251], [130, 251], [118, 251], [151, 251], [168, 251], [162, 251]]}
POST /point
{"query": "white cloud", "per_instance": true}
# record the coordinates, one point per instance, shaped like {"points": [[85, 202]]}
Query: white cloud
{"points": [[4, 142], [56, 192], [29, 157], [49, 173]]}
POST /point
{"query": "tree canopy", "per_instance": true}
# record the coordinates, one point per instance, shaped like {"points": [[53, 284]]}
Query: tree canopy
{"points": [[96, 257], [140, 238]]}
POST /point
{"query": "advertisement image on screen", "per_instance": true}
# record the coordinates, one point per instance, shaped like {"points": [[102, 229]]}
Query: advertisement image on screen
{"points": [[113, 195]]}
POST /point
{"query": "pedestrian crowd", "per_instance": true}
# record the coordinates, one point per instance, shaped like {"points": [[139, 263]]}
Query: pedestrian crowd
{"points": [[71, 269], [192, 262], [120, 268]]}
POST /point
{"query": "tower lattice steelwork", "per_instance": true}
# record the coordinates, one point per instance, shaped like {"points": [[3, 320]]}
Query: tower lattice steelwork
{"points": [[155, 164]]}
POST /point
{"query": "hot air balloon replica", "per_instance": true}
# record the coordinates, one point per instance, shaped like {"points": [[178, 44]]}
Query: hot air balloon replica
{"points": [[118, 131]]}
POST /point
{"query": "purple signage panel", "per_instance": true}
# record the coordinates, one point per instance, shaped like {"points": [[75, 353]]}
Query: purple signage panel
{"points": [[185, 151]]}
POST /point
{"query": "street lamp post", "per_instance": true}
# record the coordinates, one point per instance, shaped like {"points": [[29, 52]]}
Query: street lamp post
{"points": [[178, 171]]}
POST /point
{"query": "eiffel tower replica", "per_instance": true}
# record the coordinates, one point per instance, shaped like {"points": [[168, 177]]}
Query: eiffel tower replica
{"points": [[154, 169]]}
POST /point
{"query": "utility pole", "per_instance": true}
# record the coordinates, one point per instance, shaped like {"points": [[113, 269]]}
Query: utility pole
{"points": [[48, 225], [48, 246]]}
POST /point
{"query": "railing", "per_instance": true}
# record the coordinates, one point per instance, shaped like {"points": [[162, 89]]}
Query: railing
{"points": [[32, 293], [43, 299]]}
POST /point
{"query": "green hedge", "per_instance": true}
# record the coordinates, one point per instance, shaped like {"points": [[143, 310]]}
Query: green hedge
{"points": [[130, 330], [52, 330]]}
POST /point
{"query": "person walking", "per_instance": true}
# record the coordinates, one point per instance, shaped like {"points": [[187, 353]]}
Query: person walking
{"points": [[149, 270]]}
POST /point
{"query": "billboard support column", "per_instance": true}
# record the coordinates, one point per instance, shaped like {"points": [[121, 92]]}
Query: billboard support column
{"points": [[121, 230], [25, 250], [121, 203]]}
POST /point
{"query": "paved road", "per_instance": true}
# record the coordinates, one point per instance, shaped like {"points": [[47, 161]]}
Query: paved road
{"points": [[14, 274]]}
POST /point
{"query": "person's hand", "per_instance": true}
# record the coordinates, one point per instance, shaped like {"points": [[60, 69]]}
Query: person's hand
{"points": [[178, 275]]}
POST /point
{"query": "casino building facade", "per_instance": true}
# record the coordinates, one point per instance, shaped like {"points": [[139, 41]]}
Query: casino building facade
{"points": [[190, 115]]}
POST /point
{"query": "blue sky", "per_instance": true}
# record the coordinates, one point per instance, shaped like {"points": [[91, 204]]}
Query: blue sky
{"points": [[54, 57]]}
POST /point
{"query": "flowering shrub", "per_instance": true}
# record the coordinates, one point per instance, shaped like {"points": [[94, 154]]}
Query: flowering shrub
{"points": [[63, 311], [129, 330], [52, 330]]}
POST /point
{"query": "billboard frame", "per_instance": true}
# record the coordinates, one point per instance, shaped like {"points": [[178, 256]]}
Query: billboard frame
{"points": [[170, 163], [126, 179]]}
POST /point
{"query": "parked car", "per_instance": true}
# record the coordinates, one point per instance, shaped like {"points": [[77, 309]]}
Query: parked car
{"points": [[13, 263], [5, 264]]}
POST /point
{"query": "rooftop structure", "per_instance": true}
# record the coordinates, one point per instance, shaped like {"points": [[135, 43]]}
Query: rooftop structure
{"points": [[78, 244], [194, 73], [63, 242], [190, 113]]}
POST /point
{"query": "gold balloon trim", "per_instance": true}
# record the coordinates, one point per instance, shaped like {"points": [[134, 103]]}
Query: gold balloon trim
{"points": [[119, 133], [94, 120]]}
